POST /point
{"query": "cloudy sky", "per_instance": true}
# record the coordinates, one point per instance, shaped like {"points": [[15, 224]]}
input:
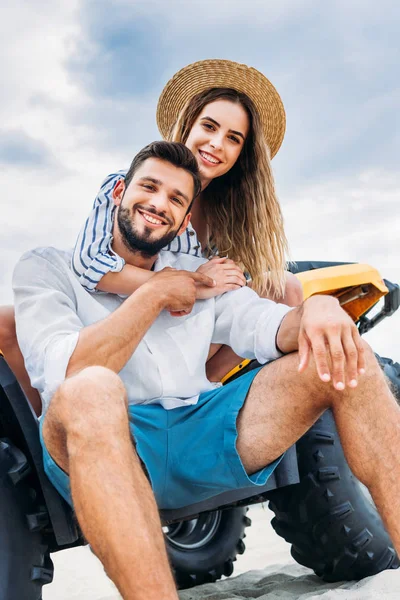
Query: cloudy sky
{"points": [[80, 83]]}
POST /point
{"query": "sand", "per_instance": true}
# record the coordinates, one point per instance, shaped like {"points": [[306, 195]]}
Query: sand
{"points": [[265, 571]]}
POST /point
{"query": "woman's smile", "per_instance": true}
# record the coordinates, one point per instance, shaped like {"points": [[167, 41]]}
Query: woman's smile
{"points": [[208, 158]]}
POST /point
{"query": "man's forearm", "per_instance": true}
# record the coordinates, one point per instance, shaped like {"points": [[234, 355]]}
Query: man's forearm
{"points": [[287, 338], [112, 341]]}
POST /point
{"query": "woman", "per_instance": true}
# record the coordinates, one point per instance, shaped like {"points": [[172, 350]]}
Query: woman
{"points": [[232, 119]]}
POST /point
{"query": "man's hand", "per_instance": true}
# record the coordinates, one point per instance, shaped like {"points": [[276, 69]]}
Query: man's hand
{"points": [[227, 275], [177, 290], [330, 335]]}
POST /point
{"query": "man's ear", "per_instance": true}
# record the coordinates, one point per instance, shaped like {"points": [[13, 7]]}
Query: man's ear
{"points": [[184, 224], [118, 192]]}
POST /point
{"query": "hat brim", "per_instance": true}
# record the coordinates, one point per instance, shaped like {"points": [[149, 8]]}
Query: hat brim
{"points": [[214, 73]]}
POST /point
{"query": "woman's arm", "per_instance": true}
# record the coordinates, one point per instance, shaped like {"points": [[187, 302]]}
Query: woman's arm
{"points": [[127, 281], [93, 257], [226, 274]]}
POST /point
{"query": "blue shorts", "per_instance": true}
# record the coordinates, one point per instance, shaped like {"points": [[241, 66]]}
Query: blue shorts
{"points": [[189, 452]]}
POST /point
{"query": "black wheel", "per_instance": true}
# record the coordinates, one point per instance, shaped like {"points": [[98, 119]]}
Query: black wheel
{"points": [[329, 517], [204, 549], [392, 372], [25, 565]]}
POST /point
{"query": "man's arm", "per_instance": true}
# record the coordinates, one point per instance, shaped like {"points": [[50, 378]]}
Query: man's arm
{"points": [[258, 328], [112, 341], [248, 324], [322, 328], [46, 318], [54, 341]]}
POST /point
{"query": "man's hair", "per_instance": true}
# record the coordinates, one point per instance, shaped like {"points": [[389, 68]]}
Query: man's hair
{"points": [[175, 153]]}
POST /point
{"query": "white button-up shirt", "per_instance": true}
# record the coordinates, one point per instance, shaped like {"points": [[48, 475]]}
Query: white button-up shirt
{"points": [[168, 365]]}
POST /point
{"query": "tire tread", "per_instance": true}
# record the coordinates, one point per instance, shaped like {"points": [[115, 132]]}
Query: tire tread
{"points": [[187, 577], [330, 523], [26, 565]]}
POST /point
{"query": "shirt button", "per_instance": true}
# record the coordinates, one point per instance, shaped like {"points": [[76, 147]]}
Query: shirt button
{"points": [[191, 233]]}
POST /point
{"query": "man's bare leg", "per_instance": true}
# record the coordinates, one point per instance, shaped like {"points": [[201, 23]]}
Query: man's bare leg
{"points": [[86, 430], [12, 353], [282, 405]]}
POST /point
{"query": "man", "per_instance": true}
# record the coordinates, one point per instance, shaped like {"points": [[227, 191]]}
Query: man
{"points": [[195, 438]]}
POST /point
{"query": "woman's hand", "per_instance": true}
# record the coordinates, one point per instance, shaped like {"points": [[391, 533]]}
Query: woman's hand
{"points": [[227, 275]]}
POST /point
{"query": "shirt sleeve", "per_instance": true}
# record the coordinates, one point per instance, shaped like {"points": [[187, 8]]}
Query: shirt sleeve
{"points": [[93, 256], [248, 324], [47, 324]]}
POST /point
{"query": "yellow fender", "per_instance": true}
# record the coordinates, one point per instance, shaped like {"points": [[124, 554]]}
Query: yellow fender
{"points": [[358, 288]]}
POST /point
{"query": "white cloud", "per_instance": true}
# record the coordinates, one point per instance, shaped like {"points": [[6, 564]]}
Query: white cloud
{"points": [[34, 38], [266, 12]]}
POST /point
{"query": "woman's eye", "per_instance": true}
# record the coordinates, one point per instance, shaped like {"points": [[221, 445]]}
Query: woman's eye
{"points": [[208, 126], [234, 139]]}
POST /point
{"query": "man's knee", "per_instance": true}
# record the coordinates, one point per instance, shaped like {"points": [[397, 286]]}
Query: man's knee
{"points": [[88, 407], [373, 376], [92, 398], [369, 354], [372, 381]]}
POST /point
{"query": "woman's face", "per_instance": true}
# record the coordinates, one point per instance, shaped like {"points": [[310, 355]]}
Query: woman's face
{"points": [[217, 138]]}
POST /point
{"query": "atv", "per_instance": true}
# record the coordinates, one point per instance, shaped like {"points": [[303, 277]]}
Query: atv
{"points": [[320, 508]]}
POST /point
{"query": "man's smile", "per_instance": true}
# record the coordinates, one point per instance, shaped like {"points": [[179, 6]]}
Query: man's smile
{"points": [[151, 218]]}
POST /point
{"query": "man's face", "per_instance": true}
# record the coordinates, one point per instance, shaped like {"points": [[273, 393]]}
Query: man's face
{"points": [[152, 210]]}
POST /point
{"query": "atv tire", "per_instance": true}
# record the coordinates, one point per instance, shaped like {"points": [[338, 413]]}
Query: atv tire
{"points": [[204, 549], [25, 565], [329, 517]]}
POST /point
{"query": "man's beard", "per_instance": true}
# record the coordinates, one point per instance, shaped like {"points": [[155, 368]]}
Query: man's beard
{"points": [[136, 242]]}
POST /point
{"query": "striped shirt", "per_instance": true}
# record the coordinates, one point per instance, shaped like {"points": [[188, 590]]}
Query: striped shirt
{"points": [[93, 255]]}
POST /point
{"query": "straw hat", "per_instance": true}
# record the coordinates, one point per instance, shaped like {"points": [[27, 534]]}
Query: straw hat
{"points": [[199, 76]]}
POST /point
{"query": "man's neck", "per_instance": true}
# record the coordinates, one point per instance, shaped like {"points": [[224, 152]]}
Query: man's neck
{"points": [[137, 259]]}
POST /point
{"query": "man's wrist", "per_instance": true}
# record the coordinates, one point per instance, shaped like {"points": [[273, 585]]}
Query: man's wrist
{"points": [[286, 338], [276, 338], [154, 294]]}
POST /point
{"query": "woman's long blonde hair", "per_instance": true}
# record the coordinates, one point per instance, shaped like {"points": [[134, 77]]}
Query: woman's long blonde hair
{"points": [[241, 207]]}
